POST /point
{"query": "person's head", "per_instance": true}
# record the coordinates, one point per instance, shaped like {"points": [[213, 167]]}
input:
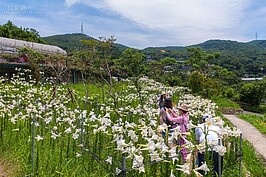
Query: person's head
{"points": [[183, 108], [163, 96], [168, 103], [204, 117]]}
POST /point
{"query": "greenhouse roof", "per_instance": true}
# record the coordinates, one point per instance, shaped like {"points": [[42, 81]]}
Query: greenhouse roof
{"points": [[12, 45]]}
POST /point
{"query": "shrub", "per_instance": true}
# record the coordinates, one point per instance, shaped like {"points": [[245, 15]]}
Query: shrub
{"points": [[252, 93]]}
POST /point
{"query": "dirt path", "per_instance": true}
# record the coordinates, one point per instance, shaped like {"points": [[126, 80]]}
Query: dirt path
{"points": [[250, 133], [2, 172]]}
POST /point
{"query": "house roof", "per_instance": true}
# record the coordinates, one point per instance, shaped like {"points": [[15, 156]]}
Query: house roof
{"points": [[251, 79], [12, 45]]}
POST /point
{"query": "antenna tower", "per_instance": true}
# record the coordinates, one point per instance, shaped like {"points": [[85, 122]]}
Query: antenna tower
{"points": [[81, 28], [256, 36]]}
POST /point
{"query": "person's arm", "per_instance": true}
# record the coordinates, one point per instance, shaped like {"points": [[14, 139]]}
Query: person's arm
{"points": [[174, 118], [162, 115]]}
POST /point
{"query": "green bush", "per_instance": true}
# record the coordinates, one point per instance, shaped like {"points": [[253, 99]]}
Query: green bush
{"points": [[230, 93], [252, 93]]}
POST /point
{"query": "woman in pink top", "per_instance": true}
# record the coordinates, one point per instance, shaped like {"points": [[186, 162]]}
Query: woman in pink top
{"points": [[182, 121]]}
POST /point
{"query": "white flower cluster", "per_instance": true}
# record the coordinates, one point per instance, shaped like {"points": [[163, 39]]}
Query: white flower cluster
{"points": [[132, 129]]}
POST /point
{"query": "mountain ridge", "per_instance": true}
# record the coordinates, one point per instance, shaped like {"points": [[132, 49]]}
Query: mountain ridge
{"points": [[64, 40]]}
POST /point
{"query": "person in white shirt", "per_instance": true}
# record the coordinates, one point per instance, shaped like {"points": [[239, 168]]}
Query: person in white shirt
{"points": [[213, 140]]}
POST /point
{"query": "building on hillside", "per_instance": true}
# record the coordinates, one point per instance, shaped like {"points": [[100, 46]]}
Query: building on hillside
{"points": [[252, 79]]}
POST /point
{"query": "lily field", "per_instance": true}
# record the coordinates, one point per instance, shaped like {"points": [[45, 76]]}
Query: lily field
{"points": [[55, 130]]}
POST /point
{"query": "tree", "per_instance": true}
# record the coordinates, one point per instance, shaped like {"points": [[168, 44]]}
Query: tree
{"points": [[201, 61], [95, 62], [196, 81], [134, 63], [35, 59], [226, 78], [9, 30], [252, 93], [57, 65]]}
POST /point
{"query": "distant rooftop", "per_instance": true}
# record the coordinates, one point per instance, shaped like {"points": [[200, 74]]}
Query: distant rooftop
{"points": [[8, 45], [251, 78]]}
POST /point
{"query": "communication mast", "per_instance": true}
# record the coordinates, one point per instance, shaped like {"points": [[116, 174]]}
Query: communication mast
{"points": [[81, 28], [256, 36]]}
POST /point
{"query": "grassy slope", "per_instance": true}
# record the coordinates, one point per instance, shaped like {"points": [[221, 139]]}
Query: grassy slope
{"points": [[257, 121]]}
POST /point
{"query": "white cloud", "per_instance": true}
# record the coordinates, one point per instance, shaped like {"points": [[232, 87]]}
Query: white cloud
{"points": [[180, 21], [72, 2]]}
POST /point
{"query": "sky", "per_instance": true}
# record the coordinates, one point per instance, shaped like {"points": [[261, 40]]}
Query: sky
{"points": [[142, 23]]}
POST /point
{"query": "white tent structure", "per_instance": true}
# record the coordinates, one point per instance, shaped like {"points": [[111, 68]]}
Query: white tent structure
{"points": [[8, 45]]}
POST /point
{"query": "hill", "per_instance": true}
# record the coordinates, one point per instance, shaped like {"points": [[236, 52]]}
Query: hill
{"points": [[242, 58], [71, 42], [68, 42], [258, 43]]}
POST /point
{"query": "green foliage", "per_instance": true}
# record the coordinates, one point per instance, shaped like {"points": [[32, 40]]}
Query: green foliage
{"points": [[224, 102], [238, 57], [133, 61], [226, 77], [9, 30], [211, 88], [201, 61], [229, 92], [257, 121], [206, 87], [196, 82], [252, 161], [252, 93]]}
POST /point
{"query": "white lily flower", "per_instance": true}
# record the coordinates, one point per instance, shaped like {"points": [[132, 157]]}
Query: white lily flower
{"points": [[172, 175], [121, 144], [75, 136], [109, 160], [221, 150], [78, 154], [203, 167], [38, 138], [132, 135], [117, 171], [190, 125], [186, 168], [68, 130]]}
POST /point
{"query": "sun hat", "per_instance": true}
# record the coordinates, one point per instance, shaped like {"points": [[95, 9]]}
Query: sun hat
{"points": [[163, 93], [183, 107]]}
